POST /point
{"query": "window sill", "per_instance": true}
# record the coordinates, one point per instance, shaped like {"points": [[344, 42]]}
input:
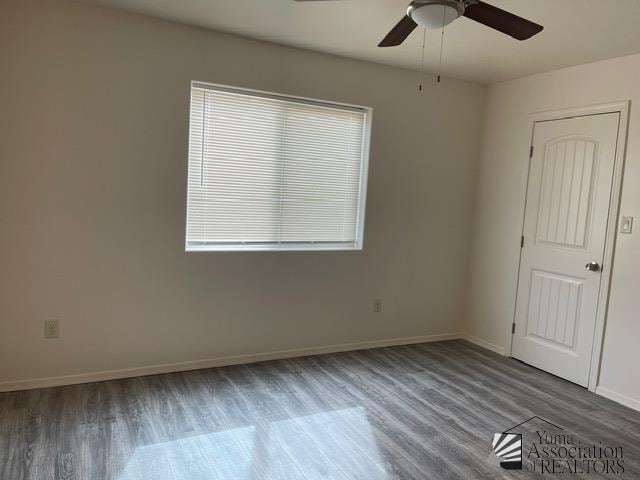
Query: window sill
{"points": [[320, 247]]}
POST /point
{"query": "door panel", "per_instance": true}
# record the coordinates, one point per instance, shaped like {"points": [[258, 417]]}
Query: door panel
{"points": [[567, 192], [566, 215], [553, 308]]}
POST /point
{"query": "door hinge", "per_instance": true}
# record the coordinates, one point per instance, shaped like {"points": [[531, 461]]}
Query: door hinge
{"points": [[522, 241], [531, 151], [513, 328]]}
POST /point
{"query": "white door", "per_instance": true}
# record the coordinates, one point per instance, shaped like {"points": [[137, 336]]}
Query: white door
{"points": [[568, 196]]}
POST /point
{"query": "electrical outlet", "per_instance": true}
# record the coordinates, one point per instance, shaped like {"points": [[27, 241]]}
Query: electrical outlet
{"points": [[377, 305], [51, 328]]}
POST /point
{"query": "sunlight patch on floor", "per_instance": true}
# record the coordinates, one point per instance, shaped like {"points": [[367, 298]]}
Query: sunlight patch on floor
{"points": [[323, 445]]}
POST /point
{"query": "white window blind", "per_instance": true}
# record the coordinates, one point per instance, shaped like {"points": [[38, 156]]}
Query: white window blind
{"points": [[268, 172]]}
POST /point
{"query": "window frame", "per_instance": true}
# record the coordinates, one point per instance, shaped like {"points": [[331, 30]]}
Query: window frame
{"points": [[358, 242]]}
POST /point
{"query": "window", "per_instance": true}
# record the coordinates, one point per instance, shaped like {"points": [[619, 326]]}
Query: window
{"points": [[269, 172]]}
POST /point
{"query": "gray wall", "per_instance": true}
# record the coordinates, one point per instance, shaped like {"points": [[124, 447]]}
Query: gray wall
{"points": [[93, 164]]}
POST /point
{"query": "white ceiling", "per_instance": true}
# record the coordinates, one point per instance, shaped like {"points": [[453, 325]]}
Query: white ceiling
{"points": [[576, 31]]}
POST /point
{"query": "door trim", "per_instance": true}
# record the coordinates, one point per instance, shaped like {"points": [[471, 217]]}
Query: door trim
{"points": [[622, 108]]}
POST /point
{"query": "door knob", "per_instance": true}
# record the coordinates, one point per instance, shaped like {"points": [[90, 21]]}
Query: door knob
{"points": [[593, 266]]}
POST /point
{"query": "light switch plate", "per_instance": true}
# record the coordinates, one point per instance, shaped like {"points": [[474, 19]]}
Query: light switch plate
{"points": [[626, 225]]}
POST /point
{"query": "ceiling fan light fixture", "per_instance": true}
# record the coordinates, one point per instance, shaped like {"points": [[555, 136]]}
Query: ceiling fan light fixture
{"points": [[434, 14]]}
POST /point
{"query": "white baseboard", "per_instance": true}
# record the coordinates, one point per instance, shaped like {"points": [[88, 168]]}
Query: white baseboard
{"points": [[619, 398], [484, 344], [214, 362]]}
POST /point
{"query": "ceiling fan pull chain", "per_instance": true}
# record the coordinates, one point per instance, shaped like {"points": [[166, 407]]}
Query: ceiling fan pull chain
{"points": [[424, 41], [444, 14]]}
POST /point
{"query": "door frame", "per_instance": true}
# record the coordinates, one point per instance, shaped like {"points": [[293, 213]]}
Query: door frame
{"points": [[622, 108]]}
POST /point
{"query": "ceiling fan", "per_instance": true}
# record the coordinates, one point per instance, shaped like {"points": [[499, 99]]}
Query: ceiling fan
{"points": [[439, 13]]}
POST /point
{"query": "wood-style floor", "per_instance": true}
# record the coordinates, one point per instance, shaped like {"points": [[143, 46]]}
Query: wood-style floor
{"points": [[415, 412]]}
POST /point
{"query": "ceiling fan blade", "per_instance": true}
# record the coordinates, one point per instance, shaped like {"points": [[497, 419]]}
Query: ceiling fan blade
{"points": [[501, 20], [399, 33]]}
